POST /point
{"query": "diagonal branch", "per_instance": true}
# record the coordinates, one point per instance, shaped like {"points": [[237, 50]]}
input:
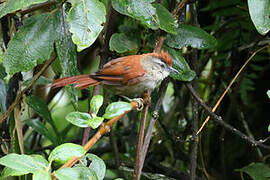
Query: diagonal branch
{"points": [[220, 121], [105, 128], [162, 91], [28, 87], [229, 86]]}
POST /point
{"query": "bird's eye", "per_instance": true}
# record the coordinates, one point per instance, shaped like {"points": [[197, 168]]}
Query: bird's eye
{"points": [[162, 65]]}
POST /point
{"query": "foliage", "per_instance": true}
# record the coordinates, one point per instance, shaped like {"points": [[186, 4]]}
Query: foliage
{"points": [[208, 41], [17, 165]]}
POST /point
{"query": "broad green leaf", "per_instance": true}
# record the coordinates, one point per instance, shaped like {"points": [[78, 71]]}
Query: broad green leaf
{"points": [[191, 36], [11, 172], [95, 103], [268, 93], [32, 44], [166, 21], [121, 43], [42, 175], [269, 128], [39, 127], [41, 109], [84, 120], [258, 171], [67, 56], [141, 10], [97, 165], [116, 108], [66, 151], [259, 11], [3, 95], [40, 160], [14, 5], [80, 173], [180, 64], [22, 163], [86, 18], [78, 119], [95, 122]]}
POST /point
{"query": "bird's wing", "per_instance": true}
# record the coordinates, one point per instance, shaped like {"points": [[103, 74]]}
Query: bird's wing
{"points": [[121, 71]]}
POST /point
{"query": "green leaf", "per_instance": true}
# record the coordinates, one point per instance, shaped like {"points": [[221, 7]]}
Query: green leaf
{"points": [[81, 173], [97, 165], [41, 109], [32, 44], [191, 36], [116, 108], [258, 171], [42, 175], [78, 119], [86, 18], [121, 43], [65, 152], [40, 160], [14, 5], [166, 21], [22, 163], [269, 128], [39, 127], [67, 56], [84, 120], [259, 11], [180, 64], [268, 93], [95, 122], [95, 103], [141, 10], [11, 172]]}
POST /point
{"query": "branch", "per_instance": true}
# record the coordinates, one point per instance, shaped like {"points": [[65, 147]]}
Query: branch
{"points": [[229, 86], [139, 154], [28, 87], [220, 121], [140, 160], [154, 117], [104, 54], [178, 7], [102, 130], [37, 7]]}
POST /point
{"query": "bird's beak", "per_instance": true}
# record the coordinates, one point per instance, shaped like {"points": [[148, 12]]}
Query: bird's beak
{"points": [[171, 69]]}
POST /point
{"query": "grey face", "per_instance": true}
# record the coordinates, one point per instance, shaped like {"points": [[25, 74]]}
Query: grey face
{"points": [[163, 65]]}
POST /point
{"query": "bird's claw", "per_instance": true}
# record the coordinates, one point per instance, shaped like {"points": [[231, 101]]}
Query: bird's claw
{"points": [[138, 100], [140, 103]]}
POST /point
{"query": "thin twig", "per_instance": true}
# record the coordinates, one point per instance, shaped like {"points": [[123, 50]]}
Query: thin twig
{"points": [[162, 91], [179, 7], [229, 86], [28, 87], [37, 7], [220, 121], [104, 54], [154, 117], [139, 153], [18, 125], [103, 130]]}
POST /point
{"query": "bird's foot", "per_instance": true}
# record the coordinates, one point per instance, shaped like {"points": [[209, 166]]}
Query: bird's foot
{"points": [[138, 100]]}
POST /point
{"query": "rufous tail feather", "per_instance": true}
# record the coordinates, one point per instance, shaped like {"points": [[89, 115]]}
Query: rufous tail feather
{"points": [[80, 81]]}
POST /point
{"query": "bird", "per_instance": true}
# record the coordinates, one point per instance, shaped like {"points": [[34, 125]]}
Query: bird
{"points": [[128, 76]]}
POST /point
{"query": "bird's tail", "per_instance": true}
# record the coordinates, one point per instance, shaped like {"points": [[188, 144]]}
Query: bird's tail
{"points": [[80, 81]]}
